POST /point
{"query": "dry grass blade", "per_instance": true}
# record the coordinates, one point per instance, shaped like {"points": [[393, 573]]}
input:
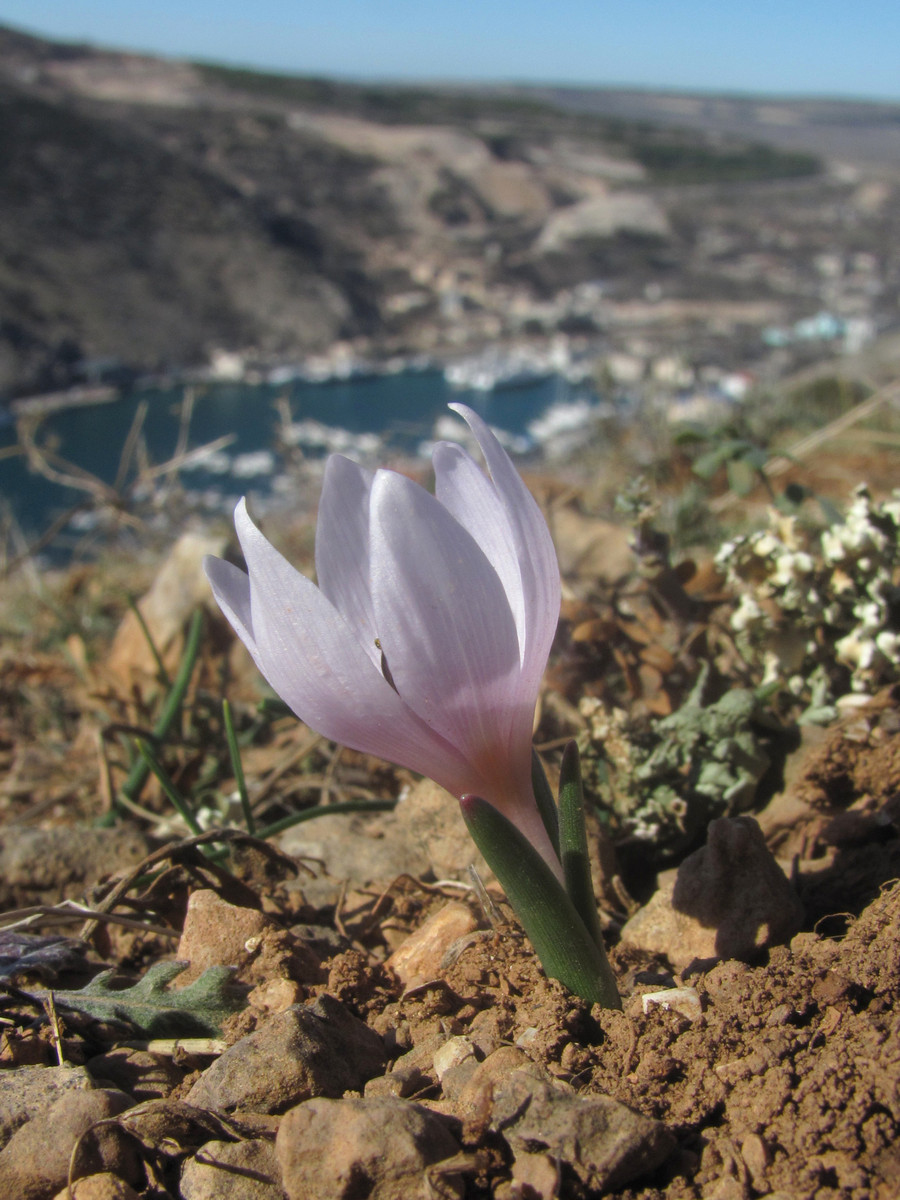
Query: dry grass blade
{"points": [[68, 911]]}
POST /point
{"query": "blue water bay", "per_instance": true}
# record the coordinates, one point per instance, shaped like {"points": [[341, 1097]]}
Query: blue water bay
{"points": [[398, 413]]}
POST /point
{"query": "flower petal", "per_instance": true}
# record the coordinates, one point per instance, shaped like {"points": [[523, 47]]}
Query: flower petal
{"points": [[467, 493], [443, 620], [534, 548], [231, 589], [342, 547], [314, 661]]}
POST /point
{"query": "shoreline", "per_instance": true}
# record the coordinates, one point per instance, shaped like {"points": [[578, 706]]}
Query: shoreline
{"points": [[482, 369]]}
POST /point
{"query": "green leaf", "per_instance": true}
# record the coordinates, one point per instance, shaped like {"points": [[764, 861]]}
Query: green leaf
{"points": [[830, 512], [755, 456], [197, 1010], [690, 433], [324, 810], [543, 795], [574, 844], [742, 477], [707, 464], [556, 931], [726, 451]]}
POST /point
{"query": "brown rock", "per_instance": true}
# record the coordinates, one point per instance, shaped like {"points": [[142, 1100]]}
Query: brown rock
{"points": [[34, 1164], [418, 959], [232, 1171], [141, 1073], [425, 832], [404, 1080], [728, 899], [179, 587], [430, 822], [98, 1187], [318, 1049], [217, 933], [275, 995], [756, 1156], [604, 1143], [355, 850], [533, 1175], [379, 1148], [29, 1092], [455, 1062], [477, 1094], [61, 862]]}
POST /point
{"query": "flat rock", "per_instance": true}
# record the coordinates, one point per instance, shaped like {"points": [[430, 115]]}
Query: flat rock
{"points": [[379, 1147], [601, 216], [29, 1092], [602, 1142], [317, 1049], [430, 822], [219, 934], [34, 1163], [353, 850], [232, 1171], [180, 586], [729, 899], [425, 833], [62, 862]]}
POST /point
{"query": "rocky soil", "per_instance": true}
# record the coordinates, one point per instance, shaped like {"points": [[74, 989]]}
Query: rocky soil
{"points": [[355, 1018]]}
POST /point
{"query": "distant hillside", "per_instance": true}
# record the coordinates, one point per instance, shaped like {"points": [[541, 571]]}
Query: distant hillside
{"points": [[154, 211], [856, 131]]}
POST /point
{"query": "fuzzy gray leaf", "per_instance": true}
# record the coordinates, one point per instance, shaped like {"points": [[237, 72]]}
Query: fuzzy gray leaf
{"points": [[197, 1010]]}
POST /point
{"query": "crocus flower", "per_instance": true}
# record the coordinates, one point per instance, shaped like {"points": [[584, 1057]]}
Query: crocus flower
{"points": [[426, 638]]}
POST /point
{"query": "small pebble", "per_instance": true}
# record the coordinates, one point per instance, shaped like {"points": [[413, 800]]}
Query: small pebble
{"points": [[418, 959], [684, 1000], [455, 1050]]}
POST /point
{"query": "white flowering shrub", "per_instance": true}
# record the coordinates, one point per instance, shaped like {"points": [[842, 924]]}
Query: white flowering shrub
{"points": [[820, 617]]}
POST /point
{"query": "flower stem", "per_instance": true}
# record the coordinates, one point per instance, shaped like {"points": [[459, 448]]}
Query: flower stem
{"points": [[558, 934]]}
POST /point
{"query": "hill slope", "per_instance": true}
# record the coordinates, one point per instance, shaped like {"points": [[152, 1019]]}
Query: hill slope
{"points": [[153, 211]]}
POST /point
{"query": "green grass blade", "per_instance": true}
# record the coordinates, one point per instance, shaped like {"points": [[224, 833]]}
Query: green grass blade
{"points": [[140, 772], [174, 797], [543, 795], [237, 767], [324, 810], [161, 671], [573, 842]]}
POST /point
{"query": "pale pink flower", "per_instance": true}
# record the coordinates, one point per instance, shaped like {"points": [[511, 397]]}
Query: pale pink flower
{"points": [[427, 636]]}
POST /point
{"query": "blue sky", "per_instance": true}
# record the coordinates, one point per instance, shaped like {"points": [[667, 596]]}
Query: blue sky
{"points": [[819, 47]]}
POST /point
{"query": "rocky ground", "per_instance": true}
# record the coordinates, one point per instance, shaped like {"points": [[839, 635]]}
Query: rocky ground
{"points": [[356, 1018]]}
